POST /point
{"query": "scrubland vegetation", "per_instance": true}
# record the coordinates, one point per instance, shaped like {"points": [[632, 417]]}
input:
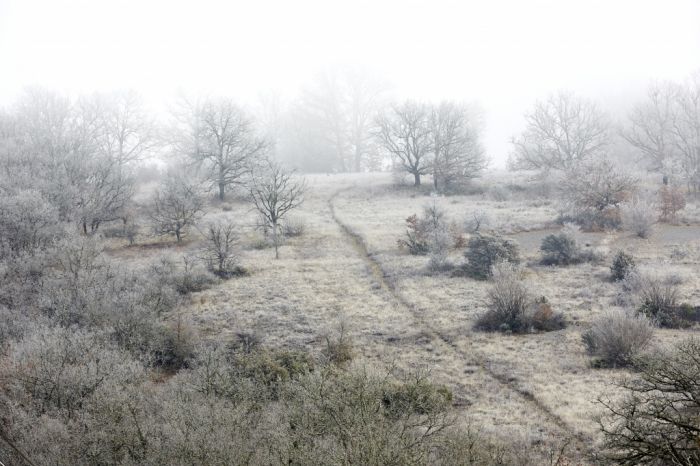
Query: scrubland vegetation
{"points": [[229, 309]]}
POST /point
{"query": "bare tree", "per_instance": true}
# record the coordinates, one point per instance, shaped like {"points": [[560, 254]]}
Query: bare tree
{"points": [[404, 133], [75, 156], [219, 248], [343, 102], [560, 133], [595, 191], [651, 126], [364, 95], [458, 154], [275, 192], [176, 206], [686, 131], [324, 106], [127, 132], [222, 136]]}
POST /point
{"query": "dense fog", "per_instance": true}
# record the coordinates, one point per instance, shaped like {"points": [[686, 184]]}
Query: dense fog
{"points": [[349, 233]]}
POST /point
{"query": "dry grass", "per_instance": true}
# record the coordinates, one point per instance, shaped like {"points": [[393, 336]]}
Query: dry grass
{"points": [[520, 386]]}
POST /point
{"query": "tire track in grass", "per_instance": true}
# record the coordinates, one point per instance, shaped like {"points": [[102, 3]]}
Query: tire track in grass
{"points": [[380, 276]]}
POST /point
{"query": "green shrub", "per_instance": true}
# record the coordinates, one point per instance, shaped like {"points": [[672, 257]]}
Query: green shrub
{"points": [[622, 265], [485, 251], [560, 249], [416, 238]]}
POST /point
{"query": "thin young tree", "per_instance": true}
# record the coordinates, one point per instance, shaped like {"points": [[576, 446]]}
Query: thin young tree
{"points": [[219, 252], [176, 206], [404, 133], [275, 192], [561, 132]]}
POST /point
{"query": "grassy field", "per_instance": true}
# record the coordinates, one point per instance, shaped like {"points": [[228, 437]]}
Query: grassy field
{"points": [[537, 389]]}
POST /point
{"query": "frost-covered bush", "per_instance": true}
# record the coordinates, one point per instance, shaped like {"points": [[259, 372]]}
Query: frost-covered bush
{"points": [[617, 337], [485, 251], [639, 217]]}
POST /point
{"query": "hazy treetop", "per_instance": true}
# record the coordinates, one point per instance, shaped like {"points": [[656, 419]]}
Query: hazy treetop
{"points": [[502, 53]]}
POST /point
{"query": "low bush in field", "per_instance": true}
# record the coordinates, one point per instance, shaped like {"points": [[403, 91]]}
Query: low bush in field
{"points": [[660, 302], [617, 338], [562, 249], [671, 201], [485, 251], [511, 308], [639, 216], [293, 227], [622, 265]]}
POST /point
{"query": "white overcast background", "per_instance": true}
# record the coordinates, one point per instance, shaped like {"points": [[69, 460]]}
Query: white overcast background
{"points": [[502, 54]]}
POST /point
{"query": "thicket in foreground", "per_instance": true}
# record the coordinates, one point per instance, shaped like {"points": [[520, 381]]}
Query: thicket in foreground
{"points": [[656, 421]]}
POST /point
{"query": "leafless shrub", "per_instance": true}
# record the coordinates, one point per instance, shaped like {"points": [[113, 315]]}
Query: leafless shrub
{"points": [[219, 249], [176, 206], [639, 216], [339, 348], [477, 221], [191, 277], [293, 227], [511, 308], [439, 242], [245, 341], [617, 337], [671, 201]]}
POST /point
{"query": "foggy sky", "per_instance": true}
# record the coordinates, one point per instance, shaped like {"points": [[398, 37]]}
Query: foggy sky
{"points": [[502, 54]]}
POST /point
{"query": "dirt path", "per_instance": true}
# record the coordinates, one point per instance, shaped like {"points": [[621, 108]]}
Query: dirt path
{"points": [[578, 442]]}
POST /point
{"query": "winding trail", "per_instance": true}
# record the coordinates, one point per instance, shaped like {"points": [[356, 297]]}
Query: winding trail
{"points": [[578, 441]]}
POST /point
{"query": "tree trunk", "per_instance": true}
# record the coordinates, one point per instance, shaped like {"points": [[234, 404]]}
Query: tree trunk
{"points": [[358, 159], [274, 240], [416, 178], [222, 179], [435, 182]]}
